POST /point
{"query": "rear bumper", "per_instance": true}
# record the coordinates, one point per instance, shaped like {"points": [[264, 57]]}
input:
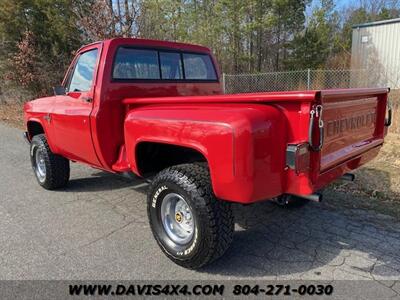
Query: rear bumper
{"points": [[26, 137], [332, 174]]}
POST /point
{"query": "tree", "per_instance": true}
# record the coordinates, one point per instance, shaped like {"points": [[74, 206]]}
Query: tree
{"points": [[319, 41], [288, 20], [39, 37], [104, 19]]}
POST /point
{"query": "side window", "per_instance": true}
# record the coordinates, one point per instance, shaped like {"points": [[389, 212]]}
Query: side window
{"points": [[136, 64], [82, 77], [198, 67], [171, 65]]}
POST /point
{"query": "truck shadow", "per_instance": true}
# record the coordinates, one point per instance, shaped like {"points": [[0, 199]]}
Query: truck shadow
{"points": [[348, 235], [310, 242], [313, 240]]}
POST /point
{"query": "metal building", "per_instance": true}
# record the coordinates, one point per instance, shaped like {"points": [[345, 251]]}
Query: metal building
{"points": [[376, 47]]}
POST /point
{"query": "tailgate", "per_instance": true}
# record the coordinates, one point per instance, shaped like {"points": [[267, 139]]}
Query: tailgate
{"points": [[353, 123]]}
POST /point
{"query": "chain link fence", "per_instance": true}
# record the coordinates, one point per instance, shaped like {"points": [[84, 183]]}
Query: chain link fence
{"points": [[313, 80], [301, 80]]}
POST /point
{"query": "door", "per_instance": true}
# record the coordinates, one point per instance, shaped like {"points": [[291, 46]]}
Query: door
{"points": [[70, 118]]}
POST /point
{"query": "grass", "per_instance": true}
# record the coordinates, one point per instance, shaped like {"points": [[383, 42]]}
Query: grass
{"points": [[377, 184], [12, 114], [381, 177]]}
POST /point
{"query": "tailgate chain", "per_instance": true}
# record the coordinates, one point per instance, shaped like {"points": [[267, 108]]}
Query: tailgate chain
{"points": [[316, 112]]}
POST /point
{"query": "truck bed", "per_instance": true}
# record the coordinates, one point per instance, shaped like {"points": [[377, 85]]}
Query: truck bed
{"points": [[352, 132]]}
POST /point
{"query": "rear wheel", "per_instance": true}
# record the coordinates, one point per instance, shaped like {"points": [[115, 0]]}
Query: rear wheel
{"points": [[191, 226], [51, 170]]}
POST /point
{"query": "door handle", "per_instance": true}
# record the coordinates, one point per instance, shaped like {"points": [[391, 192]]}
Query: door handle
{"points": [[87, 99], [47, 118]]}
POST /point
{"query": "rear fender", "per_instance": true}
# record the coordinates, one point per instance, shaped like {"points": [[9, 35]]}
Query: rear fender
{"points": [[244, 145]]}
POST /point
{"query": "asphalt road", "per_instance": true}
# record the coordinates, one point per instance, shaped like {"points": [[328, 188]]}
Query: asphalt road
{"points": [[97, 228]]}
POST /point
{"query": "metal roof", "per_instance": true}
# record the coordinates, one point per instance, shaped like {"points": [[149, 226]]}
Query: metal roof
{"points": [[377, 23]]}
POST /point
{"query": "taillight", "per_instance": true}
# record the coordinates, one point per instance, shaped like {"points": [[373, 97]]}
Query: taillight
{"points": [[298, 157]]}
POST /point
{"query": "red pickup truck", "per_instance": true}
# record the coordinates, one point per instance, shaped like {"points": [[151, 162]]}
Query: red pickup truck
{"points": [[157, 109]]}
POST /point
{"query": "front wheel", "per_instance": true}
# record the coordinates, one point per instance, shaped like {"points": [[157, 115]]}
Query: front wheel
{"points": [[51, 170], [191, 226]]}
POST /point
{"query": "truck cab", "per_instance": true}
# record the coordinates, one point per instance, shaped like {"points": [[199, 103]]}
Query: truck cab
{"points": [[90, 99], [156, 109]]}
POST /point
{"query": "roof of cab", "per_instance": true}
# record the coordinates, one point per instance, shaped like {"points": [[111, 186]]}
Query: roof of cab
{"points": [[152, 43]]}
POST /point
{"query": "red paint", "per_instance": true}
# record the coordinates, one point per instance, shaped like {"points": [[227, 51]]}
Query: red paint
{"points": [[243, 137]]}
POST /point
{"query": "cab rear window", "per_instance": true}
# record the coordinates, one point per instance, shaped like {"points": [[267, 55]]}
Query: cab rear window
{"points": [[136, 64], [150, 64], [198, 67]]}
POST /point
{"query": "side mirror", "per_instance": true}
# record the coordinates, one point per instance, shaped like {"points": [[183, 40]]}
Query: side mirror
{"points": [[59, 90]]}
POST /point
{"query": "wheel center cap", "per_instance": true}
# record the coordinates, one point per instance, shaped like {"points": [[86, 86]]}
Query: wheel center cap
{"points": [[178, 217]]}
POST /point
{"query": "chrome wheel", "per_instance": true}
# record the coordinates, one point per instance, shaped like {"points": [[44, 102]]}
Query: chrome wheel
{"points": [[40, 168], [177, 218]]}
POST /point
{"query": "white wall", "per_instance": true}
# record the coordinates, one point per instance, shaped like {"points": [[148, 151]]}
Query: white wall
{"points": [[377, 48]]}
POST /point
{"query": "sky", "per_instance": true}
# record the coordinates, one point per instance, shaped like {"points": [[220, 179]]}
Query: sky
{"points": [[340, 4]]}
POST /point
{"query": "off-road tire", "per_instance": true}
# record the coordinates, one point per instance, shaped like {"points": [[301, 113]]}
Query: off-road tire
{"points": [[56, 166], [213, 218]]}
